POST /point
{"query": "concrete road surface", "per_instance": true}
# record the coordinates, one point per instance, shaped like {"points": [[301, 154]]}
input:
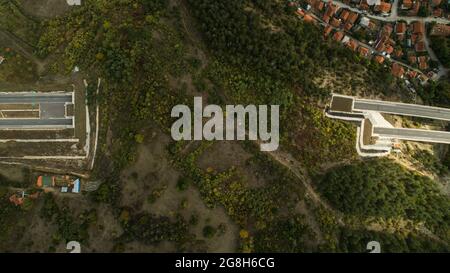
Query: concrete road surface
{"points": [[402, 109], [35, 98], [38, 123], [414, 134], [51, 110]]}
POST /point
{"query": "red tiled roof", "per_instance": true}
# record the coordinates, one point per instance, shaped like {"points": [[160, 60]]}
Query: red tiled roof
{"points": [[412, 74], [412, 59], [348, 26], [352, 44], [352, 17], [335, 22], [363, 51], [320, 5], [420, 47], [400, 27], [418, 28], [407, 4], [338, 35], [423, 62], [389, 49], [383, 7], [344, 15], [397, 70], [308, 18], [387, 29], [379, 59], [327, 30]]}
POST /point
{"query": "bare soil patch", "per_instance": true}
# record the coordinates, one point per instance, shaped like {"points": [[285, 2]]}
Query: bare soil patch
{"points": [[45, 8]]}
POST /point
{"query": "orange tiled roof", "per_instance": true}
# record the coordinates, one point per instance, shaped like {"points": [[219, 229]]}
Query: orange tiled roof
{"points": [[383, 7], [363, 51], [420, 47], [338, 35], [407, 4], [352, 44], [352, 17], [335, 22], [348, 26], [327, 30], [412, 74], [379, 59], [344, 15], [418, 28], [423, 62], [389, 49], [397, 70], [398, 53], [400, 27]]}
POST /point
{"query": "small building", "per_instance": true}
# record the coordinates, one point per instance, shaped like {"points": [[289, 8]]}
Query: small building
{"points": [[400, 28], [379, 59], [338, 35], [407, 4], [327, 30], [423, 62], [420, 47], [64, 183], [363, 51], [397, 70], [418, 28]]}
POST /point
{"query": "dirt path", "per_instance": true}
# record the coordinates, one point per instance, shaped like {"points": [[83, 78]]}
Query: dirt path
{"points": [[297, 169]]}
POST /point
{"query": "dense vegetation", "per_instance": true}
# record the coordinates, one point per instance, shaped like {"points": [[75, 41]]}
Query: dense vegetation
{"points": [[257, 52], [381, 188], [441, 46]]}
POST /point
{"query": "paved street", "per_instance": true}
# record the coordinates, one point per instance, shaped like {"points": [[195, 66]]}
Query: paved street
{"points": [[29, 123], [402, 109], [52, 109], [414, 134], [35, 98]]}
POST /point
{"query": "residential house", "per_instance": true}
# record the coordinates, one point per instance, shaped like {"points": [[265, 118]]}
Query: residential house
{"points": [[383, 8], [379, 59], [420, 46], [335, 22], [352, 44], [363, 51], [407, 4], [397, 70], [423, 62], [338, 35], [400, 28], [418, 28], [327, 30], [329, 12]]}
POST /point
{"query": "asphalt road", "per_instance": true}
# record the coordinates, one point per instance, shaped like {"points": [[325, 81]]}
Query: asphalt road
{"points": [[34, 98], [30, 123], [403, 109], [414, 134], [51, 107]]}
